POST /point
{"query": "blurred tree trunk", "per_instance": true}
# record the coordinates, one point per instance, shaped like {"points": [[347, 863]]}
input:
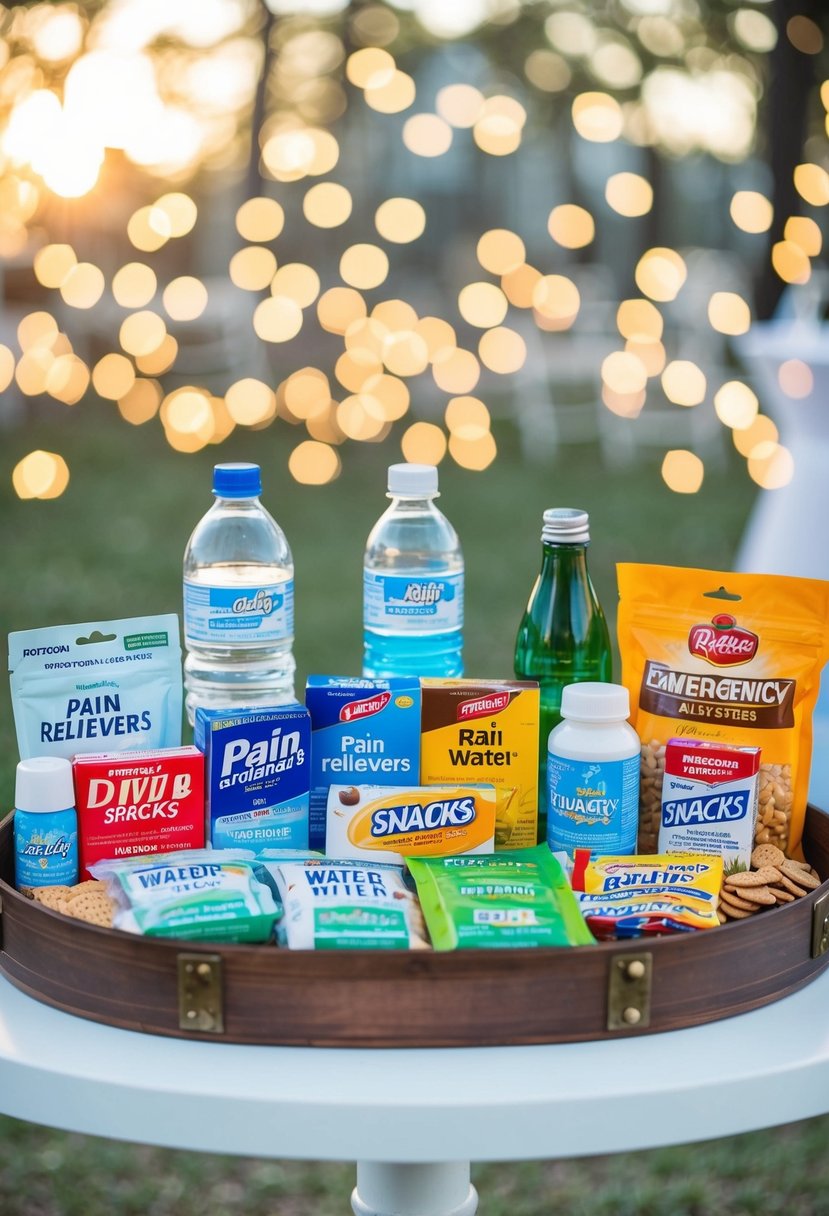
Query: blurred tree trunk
{"points": [[792, 78], [254, 173]]}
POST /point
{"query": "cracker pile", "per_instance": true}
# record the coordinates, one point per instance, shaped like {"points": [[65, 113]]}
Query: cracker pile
{"points": [[773, 879], [87, 901]]}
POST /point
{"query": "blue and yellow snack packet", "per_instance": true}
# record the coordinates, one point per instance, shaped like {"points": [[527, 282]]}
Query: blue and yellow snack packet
{"points": [[624, 897], [521, 898]]}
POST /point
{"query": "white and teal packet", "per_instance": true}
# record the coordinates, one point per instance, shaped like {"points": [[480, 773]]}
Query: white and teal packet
{"points": [[333, 904], [196, 894]]}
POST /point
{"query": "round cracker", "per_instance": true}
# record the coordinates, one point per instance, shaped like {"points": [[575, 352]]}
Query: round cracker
{"points": [[782, 895], [753, 878], [759, 895], [767, 855], [736, 913], [787, 884], [733, 900], [799, 875]]}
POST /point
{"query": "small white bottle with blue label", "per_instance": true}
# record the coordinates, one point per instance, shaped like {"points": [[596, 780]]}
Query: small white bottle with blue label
{"points": [[45, 824], [593, 772]]}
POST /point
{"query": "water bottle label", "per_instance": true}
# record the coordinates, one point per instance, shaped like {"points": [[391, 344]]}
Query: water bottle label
{"points": [[413, 603], [236, 615], [592, 804]]}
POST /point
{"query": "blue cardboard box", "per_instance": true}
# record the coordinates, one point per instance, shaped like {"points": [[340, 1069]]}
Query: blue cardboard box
{"points": [[257, 776], [364, 731]]}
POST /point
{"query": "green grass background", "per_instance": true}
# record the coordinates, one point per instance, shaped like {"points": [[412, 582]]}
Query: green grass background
{"points": [[111, 547]]}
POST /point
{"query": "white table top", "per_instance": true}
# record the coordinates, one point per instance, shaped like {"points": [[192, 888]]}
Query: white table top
{"points": [[499, 1104]]}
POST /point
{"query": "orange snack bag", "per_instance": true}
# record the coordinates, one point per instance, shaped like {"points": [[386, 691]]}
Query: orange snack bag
{"points": [[728, 658]]}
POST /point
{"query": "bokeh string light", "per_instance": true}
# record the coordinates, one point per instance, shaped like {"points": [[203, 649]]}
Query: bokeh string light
{"points": [[60, 141]]}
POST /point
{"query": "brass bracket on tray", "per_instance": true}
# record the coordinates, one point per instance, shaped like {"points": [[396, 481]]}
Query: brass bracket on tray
{"points": [[820, 926], [629, 992], [200, 1004]]}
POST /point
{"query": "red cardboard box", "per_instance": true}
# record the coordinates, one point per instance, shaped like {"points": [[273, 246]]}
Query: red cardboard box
{"points": [[131, 803]]}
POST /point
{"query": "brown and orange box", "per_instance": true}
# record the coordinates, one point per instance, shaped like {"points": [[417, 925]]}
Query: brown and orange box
{"points": [[485, 730]]}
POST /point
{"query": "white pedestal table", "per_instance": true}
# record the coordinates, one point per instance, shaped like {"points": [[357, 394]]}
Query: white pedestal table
{"points": [[413, 1120]]}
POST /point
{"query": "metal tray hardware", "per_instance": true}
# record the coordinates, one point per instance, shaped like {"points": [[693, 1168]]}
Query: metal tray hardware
{"points": [[200, 993], [629, 992], [820, 926]]}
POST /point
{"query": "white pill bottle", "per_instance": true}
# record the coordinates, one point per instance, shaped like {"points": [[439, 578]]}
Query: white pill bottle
{"points": [[593, 772]]}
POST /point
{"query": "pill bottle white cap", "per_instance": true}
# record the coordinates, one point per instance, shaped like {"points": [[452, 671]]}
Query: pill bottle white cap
{"points": [[44, 784], [594, 701], [413, 480]]}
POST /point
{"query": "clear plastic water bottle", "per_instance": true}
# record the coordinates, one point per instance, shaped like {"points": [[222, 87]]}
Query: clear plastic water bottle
{"points": [[413, 583], [238, 600]]}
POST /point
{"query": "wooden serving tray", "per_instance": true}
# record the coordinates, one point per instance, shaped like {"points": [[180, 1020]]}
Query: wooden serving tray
{"points": [[261, 994]]}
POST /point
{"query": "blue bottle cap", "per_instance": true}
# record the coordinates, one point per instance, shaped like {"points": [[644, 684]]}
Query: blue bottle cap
{"points": [[237, 480]]}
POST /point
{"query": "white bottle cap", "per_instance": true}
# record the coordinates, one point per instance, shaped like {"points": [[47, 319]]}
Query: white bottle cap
{"points": [[44, 784], [594, 701], [566, 526], [413, 480]]}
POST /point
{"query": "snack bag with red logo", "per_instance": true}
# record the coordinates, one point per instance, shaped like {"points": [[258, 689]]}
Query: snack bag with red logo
{"points": [[725, 658]]}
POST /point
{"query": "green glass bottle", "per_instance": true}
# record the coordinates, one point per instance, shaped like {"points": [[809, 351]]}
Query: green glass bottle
{"points": [[563, 637]]}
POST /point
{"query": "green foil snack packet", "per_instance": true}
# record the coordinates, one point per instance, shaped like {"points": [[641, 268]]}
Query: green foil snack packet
{"points": [[475, 902]]}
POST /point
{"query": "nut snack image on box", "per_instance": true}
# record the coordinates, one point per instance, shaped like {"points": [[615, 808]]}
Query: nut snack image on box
{"points": [[390, 822], [709, 800], [257, 775], [104, 685], [131, 803], [362, 730], [486, 730]]}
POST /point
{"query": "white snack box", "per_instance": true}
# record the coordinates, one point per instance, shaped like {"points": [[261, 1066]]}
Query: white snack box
{"points": [[709, 800]]}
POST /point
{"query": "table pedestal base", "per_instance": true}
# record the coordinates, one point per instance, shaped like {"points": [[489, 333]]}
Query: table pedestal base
{"points": [[434, 1189]]}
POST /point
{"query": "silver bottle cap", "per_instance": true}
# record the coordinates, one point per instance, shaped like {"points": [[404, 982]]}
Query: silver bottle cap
{"points": [[565, 526]]}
